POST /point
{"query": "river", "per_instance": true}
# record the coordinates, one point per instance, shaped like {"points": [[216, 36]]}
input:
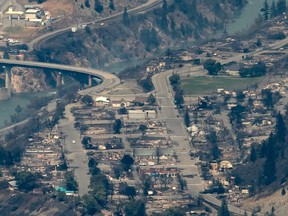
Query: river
{"points": [[7, 107], [247, 16]]}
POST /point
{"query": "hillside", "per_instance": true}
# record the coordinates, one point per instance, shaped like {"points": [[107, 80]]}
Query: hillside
{"points": [[174, 24]]}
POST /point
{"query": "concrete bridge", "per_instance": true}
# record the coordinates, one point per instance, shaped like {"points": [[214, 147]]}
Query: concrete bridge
{"points": [[108, 80]]}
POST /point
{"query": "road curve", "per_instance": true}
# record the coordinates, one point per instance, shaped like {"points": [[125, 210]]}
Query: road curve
{"points": [[108, 80], [36, 43]]}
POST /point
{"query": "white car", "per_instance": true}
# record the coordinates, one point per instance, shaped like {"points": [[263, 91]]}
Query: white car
{"points": [[73, 141]]}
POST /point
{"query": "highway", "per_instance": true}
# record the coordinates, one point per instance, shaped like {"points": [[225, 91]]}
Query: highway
{"points": [[37, 42], [108, 80]]}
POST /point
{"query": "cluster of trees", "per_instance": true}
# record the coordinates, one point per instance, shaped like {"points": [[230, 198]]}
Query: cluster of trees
{"points": [[149, 37], [276, 36], [98, 6], [276, 9], [86, 142], [269, 98], [101, 188], [237, 114], [9, 156], [213, 141], [27, 181], [71, 183], [151, 99], [125, 166], [127, 190], [146, 83], [223, 210], [87, 100], [256, 70], [213, 67], [178, 96], [134, 208], [267, 160]]}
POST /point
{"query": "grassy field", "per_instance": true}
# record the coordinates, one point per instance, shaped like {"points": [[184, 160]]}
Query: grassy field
{"points": [[13, 30], [204, 85]]}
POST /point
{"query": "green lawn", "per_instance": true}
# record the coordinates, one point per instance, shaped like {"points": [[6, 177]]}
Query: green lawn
{"points": [[204, 85]]}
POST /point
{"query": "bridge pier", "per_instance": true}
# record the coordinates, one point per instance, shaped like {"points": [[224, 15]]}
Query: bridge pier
{"points": [[58, 79], [8, 80], [90, 79]]}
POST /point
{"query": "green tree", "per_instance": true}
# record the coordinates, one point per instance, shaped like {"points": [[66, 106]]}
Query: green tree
{"points": [[117, 126], [280, 128], [223, 210], [280, 132], [92, 163], [164, 20], [135, 208], [61, 196], [18, 109], [269, 167], [253, 154], [273, 9], [127, 161], [281, 7], [26, 180], [174, 79], [283, 191], [212, 66], [87, 3], [151, 99], [236, 114], [87, 99], [265, 10], [71, 183], [142, 128], [178, 97], [173, 26], [91, 204], [125, 17], [187, 119], [267, 98], [111, 5], [130, 191], [122, 111], [98, 7], [240, 96]]}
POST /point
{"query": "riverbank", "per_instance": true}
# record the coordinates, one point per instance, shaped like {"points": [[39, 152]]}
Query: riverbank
{"points": [[7, 107]]}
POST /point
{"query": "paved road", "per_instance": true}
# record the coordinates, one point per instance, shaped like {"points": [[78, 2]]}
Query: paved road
{"points": [[76, 155], [177, 132], [36, 43], [108, 80]]}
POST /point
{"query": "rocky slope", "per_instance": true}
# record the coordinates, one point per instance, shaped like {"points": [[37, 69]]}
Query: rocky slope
{"points": [[28, 80]]}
